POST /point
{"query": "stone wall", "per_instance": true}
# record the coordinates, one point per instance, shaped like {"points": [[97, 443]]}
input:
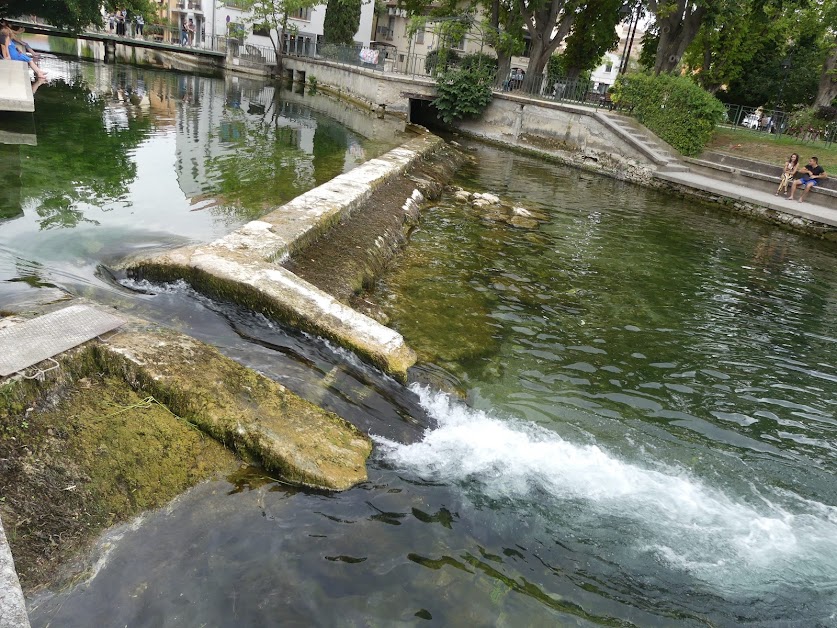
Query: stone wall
{"points": [[571, 134], [376, 90]]}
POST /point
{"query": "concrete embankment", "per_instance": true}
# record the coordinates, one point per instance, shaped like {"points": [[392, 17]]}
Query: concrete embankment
{"points": [[118, 425], [244, 266]]}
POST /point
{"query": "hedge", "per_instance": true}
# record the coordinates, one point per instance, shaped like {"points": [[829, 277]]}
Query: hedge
{"points": [[674, 107]]}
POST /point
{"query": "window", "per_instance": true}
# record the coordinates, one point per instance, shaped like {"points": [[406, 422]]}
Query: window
{"points": [[302, 14], [608, 67], [420, 36], [459, 45], [262, 30]]}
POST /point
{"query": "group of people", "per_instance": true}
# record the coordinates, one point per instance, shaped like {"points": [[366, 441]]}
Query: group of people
{"points": [[14, 49], [187, 32], [806, 177], [118, 23]]}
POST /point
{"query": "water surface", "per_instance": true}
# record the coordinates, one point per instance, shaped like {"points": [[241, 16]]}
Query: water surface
{"points": [[645, 435]]}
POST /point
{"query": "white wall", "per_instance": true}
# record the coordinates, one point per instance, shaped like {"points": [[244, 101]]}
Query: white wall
{"points": [[314, 26]]}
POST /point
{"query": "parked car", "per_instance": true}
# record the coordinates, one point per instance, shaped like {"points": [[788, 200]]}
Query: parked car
{"points": [[751, 121]]}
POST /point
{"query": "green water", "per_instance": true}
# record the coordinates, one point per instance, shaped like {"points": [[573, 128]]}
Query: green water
{"points": [[633, 400], [127, 158]]}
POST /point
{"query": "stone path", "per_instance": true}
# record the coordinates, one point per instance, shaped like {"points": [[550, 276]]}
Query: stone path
{"points": [[15, 87], [809, 210]]}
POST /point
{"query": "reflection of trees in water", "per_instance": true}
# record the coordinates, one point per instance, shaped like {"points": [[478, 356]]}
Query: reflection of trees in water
{"points": [[273, 152], [10, 206], [77, 159]]}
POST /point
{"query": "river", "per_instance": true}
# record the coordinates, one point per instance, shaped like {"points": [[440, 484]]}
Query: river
{"points": [[633, 418]]}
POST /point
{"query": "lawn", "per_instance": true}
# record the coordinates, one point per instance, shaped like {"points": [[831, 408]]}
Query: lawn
{"points": [[773, 149]]}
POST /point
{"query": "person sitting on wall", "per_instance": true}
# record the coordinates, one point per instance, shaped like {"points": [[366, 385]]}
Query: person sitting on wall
{"points": [[8, 50], [811, 174]]}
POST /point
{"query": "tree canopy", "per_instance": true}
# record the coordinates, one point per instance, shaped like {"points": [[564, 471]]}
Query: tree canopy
{"points": [[341, 22], [73, 14]]}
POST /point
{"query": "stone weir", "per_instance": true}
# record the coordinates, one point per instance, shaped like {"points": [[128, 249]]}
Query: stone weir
{"points": [[245, 266]]}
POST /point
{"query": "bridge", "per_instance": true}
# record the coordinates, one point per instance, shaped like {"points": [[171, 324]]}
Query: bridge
{"points": [[111, 40]]}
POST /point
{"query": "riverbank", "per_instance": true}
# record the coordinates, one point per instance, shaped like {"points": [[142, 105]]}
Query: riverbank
{"points": [[126, 423]]}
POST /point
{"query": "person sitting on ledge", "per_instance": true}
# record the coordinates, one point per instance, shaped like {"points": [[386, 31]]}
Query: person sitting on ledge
{"points": [[810, 176], [8, 50]]}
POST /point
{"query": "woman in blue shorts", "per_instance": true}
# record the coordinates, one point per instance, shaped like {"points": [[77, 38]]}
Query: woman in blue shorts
{"points": [[9, 50]]}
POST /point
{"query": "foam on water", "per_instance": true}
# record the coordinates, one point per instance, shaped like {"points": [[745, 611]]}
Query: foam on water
{"points": [[661, 512]]}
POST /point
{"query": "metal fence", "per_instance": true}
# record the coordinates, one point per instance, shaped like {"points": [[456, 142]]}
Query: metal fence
{"points": [[556, 88], [776, 122]]}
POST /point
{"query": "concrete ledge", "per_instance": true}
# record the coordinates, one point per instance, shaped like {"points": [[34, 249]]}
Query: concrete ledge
{"points": [[240, 267], [15, 87], [12, 603], [778, 207]]}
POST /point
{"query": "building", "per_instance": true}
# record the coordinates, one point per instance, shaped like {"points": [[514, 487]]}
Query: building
{"points": [[230, 19]]}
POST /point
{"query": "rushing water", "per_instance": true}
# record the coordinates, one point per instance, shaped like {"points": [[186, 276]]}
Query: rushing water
{"points": [[642, 432]]}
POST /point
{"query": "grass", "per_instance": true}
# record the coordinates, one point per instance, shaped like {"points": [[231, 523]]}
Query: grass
{"points": [[770, 148]]}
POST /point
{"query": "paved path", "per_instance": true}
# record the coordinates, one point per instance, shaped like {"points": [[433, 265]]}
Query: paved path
{"points": [[15, 87], [809, 209]]}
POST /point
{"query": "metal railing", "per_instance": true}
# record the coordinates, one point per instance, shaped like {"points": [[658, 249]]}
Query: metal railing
{"points": [[756, 119], [775, 122], [578, 91]]}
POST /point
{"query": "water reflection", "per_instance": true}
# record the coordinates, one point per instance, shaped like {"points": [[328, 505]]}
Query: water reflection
{"points": [[128, 157]]}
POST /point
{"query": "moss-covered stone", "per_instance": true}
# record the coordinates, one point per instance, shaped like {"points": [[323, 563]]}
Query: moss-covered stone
{"points": [[257, 416], [80, 455]]}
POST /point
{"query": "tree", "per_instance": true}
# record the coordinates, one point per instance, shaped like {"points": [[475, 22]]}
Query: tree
{"points": [[730, 37], [341, 22], [504, 33], [593, 34], [548, 23], [72, 14], [677, 23], [827, 91], [273, 16]]}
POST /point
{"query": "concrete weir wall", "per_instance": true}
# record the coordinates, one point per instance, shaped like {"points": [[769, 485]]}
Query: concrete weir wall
{"points": [[241, 267]]}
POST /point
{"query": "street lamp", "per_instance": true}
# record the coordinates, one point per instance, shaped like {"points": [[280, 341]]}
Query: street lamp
{"points": [[786, 66], [634, 12]]}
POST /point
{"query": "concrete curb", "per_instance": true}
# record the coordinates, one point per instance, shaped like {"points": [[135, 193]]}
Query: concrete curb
{"points": [[12, 603]]}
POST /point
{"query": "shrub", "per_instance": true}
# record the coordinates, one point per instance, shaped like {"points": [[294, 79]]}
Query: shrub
{"points": [[810, 123], [674, 107], [478, 60], [439, 60], [465, 91]]}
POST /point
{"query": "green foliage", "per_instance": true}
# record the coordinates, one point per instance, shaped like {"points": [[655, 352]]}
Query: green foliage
{"points": [[592, 35], [477, 61], [341, 22], [811, 123], [673, 107], [439, 60], [558, 69], [464, 91], [73, 14]]}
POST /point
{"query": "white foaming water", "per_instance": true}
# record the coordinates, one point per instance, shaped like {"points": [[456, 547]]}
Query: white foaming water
{"points": [[678, 519]]}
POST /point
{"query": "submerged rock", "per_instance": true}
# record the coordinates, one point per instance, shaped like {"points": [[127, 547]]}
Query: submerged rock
{"points": [[495, 210]]}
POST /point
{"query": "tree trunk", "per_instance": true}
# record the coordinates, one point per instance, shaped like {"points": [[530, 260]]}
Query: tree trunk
{"points": [[503, 68], [677, 31], [538, 58], [827, 91]]}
